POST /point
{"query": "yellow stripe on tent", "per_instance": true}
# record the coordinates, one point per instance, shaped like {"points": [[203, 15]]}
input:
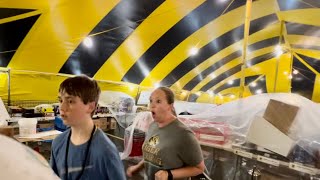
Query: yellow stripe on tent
{"points": [[205, 35], [57, 33], [165, 16]]}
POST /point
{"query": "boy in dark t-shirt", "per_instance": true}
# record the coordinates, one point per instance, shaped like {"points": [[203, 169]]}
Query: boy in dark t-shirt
{"points": [[83, 151]]}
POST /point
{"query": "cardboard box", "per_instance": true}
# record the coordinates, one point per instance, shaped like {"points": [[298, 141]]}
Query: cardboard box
{"points": [[7, 131], [49, 124], [280, 115], [101, 123], [264, 134], [113, 123]]}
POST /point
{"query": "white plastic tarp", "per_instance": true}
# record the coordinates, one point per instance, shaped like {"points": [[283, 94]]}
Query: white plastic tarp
{"points": [[240, 113]]}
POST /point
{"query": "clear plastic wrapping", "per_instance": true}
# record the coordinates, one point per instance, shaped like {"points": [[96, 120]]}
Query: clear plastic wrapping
{"points": [[238, 116], [135, 134]]}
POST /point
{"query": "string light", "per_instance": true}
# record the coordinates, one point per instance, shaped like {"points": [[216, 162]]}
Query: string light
{"points": [[194, 51], [259, 91], [88, 42], [254, 84]]}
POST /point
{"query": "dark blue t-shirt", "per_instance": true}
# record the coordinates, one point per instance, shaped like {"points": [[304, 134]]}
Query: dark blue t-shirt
{"points": [[103, 158]]}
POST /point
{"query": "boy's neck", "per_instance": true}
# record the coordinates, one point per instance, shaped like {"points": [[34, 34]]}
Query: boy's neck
{"points": [[81, 133]]}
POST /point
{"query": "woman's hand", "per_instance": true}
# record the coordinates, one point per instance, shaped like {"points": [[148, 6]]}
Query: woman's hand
{"points": [[161, 175], [131, 170]]}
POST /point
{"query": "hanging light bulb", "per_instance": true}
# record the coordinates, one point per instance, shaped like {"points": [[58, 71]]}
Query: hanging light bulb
{"points": [[295, 71], [278, 50], [210, 93], [88, 42], [254, 84], [194, 51], [156, 85]]}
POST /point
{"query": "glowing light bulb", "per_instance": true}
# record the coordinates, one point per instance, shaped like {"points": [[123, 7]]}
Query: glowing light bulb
{"points": [[194, 51], [88, 42]]}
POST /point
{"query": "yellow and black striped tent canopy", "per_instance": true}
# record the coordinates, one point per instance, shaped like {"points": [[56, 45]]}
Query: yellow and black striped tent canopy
{"points": [[199, 48]]}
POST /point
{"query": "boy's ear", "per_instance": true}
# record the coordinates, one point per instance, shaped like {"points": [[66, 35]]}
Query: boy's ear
{"points": [[171, 106], [92, 106]]}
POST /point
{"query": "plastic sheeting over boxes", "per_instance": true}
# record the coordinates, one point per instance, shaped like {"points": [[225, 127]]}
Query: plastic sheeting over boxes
{"points": [[304, 129]]}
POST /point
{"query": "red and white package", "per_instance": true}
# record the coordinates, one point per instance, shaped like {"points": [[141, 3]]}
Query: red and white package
{"points": [[208, 132]]}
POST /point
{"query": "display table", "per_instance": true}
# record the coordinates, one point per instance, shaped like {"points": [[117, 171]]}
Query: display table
{"points": [[16, 119], [41, 136], [239, 159]]}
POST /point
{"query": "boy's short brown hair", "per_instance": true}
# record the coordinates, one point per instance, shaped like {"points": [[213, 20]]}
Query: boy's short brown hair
{"points": [[82, 86]]}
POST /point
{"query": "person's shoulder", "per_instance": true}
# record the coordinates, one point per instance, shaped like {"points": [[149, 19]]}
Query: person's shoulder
{"points": [[105, 148], [104, 142], [59, 140], [182, 127], [153, 125]]}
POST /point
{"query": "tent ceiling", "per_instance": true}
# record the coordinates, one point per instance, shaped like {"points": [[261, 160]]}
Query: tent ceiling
{"points": [[148, 42]]}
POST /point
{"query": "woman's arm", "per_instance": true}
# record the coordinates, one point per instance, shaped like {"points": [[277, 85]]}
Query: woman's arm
{"points": [[181, 172], [133, 169]]}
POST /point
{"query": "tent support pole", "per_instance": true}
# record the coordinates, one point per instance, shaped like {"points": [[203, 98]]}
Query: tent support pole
{"points": [[245, 45], [9, 85], [278, 58]]}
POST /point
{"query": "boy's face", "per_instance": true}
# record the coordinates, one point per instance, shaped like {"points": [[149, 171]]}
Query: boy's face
{"points": [[72, 109]]}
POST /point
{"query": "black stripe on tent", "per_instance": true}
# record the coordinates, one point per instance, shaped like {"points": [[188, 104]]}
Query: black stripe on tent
{"points": [[192, 98], [315, 63], [299, 46], [303, 82], [250, 79], [235, 4], [260, 59], [210, 49], [5, 58], [121, 21], [313, 3], [260, 85], [11, 35], [235, 83], [214, 47], [263, 44], [286, 5], [198, 18], [9, 12], [221, 77], [232, 71], [197, 79], [302, 29], [253, 47]]}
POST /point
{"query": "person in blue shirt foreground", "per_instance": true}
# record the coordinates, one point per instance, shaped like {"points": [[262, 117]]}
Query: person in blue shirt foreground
{"points": [[83, 151]]}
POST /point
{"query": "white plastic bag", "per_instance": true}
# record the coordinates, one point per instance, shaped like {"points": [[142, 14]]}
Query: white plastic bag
{"points": [[18, 162], [141, 122]]}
